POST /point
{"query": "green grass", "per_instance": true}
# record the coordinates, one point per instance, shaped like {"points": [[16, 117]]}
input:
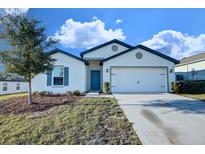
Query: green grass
{"points": [[88, 121], [8, 96], [200, 97]]}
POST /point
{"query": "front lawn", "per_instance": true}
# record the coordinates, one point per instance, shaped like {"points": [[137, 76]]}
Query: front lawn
{"points": [[7, 96], [64, 120], [200, 97]]}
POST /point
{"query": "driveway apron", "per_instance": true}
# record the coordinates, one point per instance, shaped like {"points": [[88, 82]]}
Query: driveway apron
{"points": [[165, 118]]}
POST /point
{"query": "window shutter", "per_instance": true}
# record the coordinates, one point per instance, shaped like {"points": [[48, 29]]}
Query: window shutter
{"points": [[49, 78], [66, 76]]}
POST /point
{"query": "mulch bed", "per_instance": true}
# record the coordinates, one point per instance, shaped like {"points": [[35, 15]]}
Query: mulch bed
{"points": [[19, 105]]}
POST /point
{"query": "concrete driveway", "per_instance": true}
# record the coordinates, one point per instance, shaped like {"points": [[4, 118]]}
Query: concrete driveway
{"points": [[165, 118]]}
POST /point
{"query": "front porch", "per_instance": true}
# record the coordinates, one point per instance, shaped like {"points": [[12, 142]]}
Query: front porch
{"points": [[94, 76]]}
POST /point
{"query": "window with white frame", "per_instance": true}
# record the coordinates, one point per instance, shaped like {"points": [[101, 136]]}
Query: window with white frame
{"points": [[18, 86], [5, 86], [58, 75]]}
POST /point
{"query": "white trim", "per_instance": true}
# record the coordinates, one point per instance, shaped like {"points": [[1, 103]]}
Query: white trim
{"points": [[57, 86]]}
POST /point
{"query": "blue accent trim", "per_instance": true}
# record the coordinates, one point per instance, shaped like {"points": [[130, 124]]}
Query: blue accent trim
{"points": [[95, 80], [144, 48], [105, 44], [68, 54], [49, 77], [66, 76]]}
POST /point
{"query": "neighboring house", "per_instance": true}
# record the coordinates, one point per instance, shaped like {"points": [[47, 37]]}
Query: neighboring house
{"points": [[191, 68], [11, 83], [126, 68], [12, 86]]}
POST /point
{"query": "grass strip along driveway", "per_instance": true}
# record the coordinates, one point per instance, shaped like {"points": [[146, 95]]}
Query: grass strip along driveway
{"points": [[64, 120], [200, 97]]}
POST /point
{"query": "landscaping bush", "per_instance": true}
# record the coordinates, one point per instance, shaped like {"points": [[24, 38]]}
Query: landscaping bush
{"points": [[193, 86], [106, 87], [177, 87], [188, 87], [44, 93], [35, 93], [76, 93], [69, 93]]}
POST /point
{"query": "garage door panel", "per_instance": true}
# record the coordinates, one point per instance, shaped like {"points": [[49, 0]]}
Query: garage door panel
{"points": [[138, 79]]}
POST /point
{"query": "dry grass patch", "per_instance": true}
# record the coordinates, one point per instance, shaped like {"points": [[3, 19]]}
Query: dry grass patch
{"points": [[65, 120], [200, 97], [8, 96]]}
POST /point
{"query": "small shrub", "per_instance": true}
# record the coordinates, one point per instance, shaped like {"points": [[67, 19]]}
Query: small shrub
{"points": [[176, 87], [35, 93], [44, 93], [76, 92], [106, 87], [193, 86], [69, 93], [188, 87]]}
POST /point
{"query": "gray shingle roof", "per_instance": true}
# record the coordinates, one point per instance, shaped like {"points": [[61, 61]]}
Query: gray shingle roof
{"points": [[11, 77], [193, 58]]}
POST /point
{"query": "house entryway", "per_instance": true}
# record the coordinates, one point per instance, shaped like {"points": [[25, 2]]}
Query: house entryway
{"points": [[95, 80]]}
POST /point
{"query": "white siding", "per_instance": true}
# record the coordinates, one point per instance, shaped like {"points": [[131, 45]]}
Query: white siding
{"points": [[148, 60], [104, 52], [77, 76], [197, 66], [186, 70], [11, 87], [182, 68], [188, 67]]}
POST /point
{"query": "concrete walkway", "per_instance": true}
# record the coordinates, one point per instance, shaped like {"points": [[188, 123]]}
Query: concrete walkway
{"points": [[97, 95], [165, 118]]}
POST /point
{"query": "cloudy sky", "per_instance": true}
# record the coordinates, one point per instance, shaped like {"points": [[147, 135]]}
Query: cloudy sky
{"points": [[175, 32]]}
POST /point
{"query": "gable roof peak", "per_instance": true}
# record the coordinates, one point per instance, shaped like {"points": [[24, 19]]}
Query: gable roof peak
{"points": [[105, 44], [144, 48], [66, 53]]}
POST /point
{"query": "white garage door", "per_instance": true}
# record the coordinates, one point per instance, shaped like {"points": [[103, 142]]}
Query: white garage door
{"points": [[138, 79]]}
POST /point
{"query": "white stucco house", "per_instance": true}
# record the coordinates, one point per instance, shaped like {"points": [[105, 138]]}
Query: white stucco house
{"points": [[12, 87], [128, 69], [191, 68], [10, 83]]}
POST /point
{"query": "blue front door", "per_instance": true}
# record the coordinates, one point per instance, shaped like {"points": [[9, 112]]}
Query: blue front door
{"points": [[95, 80]]}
